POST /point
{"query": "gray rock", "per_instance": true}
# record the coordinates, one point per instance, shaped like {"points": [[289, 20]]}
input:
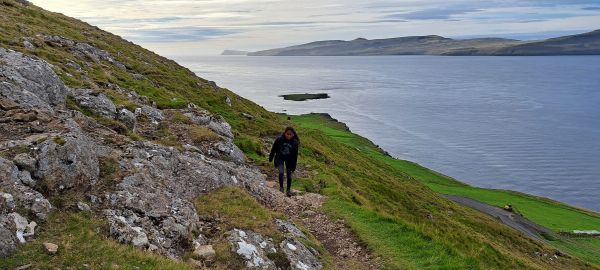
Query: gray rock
{"points": [[25, 178], [199, 118], [153, 114], [159, 196], [25, 162], [84, 50], [83, 207], [228, 101], [253, 248], [58, 41], [8, 238], [221, 127], [205, 252], [28, 45], [30, 82], [300, 257], [72, 164], [100, 104], [127, 117], [289, 228], [20, 226], [213, 85], [125, 232], [229, 149], [23, 196], [74, 65], [7, 203]]}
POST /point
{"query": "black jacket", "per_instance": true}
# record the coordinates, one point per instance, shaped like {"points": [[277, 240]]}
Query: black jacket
{"points": [[284, 150]]}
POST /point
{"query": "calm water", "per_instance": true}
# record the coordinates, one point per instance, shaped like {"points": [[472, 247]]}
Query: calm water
{"points": [[530, 124]]}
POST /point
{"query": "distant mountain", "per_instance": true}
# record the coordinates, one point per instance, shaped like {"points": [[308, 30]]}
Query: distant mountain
{"points": [[587, 43], [234, 52], [581, 44]]}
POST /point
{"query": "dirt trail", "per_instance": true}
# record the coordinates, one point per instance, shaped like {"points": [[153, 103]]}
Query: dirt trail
{"points": [[344, 246]]}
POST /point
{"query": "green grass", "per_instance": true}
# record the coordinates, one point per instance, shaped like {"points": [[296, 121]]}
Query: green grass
{"points": [[388, 238], [237, 210], [370, 191], [81, 240], [551, 214]]}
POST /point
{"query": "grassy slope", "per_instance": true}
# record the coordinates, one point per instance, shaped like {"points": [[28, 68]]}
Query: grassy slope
{"points": [[82, 240], [400, 219], [551, 214]]}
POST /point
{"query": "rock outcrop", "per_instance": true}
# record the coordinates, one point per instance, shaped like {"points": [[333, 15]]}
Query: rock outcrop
{"points": [[150, 203], [30, 82], [54, 147], [257, 250]]}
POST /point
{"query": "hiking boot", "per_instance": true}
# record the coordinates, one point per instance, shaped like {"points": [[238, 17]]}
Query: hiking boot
{"points": [[288, 193], [281, 189]]}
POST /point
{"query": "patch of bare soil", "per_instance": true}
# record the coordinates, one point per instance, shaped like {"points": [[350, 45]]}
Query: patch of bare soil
{"points": [[342, 243]]}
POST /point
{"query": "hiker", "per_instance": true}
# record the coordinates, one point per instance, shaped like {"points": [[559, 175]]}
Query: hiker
{"points": [[285, 152]]}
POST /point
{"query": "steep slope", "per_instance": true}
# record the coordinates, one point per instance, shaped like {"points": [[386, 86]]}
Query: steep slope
{"points": [[142, 140], [582, 44]]}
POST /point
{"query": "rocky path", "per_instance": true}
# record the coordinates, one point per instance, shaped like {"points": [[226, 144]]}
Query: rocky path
{"points": [[344, 246]]}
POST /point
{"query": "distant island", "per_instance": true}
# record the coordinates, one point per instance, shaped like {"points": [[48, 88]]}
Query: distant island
{"points": [[234, 52], [580, 44], [303, 97]]}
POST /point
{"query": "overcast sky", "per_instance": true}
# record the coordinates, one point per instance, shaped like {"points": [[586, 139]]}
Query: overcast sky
{"points": [[205, 27]]}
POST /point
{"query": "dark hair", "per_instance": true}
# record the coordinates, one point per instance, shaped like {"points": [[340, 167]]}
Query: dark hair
{"points": [[293, 131]]}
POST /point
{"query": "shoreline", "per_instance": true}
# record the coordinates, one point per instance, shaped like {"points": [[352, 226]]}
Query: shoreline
{"points": [[546, 220], [328, 117]]}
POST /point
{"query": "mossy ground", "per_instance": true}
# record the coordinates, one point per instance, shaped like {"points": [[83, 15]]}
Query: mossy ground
{"points": [[393, 206]]}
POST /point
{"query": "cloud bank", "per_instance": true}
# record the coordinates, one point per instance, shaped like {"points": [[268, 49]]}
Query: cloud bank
{"points": [[200, 27]]}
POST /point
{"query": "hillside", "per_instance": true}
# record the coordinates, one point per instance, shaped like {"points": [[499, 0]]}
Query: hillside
{"points": [[124, 159], [582, 44]]}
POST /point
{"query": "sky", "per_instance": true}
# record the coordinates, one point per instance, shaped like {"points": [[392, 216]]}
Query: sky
{"points": [[207, 27]]}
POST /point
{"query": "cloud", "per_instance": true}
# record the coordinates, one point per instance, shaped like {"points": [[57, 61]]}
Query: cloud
{"points": [[179, 34], [432, 13], [209, 26]]}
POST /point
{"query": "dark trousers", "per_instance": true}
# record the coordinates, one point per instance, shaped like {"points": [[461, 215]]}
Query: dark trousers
{"points": [[288, 172]]}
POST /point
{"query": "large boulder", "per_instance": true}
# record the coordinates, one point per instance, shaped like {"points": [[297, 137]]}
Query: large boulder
{"points": [[99, 104], [67, 161], [30, 82]]}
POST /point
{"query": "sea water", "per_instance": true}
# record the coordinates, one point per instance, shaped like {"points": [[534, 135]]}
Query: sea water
{"points": [[530, 124]]}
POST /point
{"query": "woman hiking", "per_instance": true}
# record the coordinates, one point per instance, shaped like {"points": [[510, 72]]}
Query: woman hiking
{"points": [[285, 152]]}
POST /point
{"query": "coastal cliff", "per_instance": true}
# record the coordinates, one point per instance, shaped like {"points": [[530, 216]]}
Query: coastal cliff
{"points": [[114, 157]]}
